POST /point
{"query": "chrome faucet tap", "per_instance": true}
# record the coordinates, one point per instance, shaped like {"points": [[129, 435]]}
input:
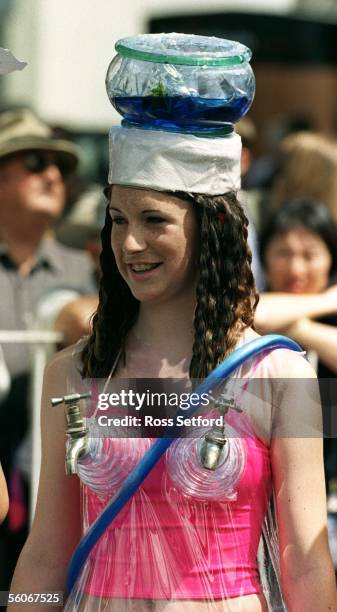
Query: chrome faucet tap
{"points": [[77, 431], [212, 447]]}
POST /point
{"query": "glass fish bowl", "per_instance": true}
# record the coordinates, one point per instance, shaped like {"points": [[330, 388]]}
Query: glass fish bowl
{"points": [[180, 81]]}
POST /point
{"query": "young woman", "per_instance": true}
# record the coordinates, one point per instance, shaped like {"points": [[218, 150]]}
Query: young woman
{"points": [[176, 297]]}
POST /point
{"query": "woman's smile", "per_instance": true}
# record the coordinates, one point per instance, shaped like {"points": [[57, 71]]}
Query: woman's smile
{"points": [[143, 271]]}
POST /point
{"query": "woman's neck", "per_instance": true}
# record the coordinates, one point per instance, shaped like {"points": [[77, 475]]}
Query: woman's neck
{"points": [[166, 326]]}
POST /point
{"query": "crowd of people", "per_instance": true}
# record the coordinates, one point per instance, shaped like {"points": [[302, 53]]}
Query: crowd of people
{"points": [[51, 277]]}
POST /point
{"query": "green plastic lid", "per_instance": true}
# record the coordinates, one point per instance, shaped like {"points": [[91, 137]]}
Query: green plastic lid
{"points": [[183, 49]]}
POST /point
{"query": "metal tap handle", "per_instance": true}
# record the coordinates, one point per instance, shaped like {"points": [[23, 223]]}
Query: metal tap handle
{"points": [[224, 404], [69, 399]]}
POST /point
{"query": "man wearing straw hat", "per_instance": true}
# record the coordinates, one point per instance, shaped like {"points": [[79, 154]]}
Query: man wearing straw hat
{"points": [[33, 169]]}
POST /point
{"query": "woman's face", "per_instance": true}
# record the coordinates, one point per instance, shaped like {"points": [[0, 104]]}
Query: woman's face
{"points": [[297, 261], [154, 239]]}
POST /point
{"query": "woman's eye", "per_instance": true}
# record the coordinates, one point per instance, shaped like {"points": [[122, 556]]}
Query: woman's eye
{"points": [[310, 256], [118, 220], [282, 254], [155, 219]]}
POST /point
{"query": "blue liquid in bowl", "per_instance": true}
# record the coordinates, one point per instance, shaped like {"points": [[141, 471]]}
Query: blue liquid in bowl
{"points": [[181, 111]]}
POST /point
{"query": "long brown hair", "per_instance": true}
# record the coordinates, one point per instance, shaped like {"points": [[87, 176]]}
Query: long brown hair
{"points": [[225, 296]]}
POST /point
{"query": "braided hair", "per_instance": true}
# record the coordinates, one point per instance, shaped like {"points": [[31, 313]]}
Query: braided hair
{"points": [[225, 295]]}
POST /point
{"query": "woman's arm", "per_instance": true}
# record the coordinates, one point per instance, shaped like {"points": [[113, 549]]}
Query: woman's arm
{"points": [[317, 337], [55, 532], [3, 496], [276, 311], [307, 573]]}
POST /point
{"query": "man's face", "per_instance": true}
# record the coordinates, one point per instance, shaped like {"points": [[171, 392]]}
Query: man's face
{"points": [[31, 187]]}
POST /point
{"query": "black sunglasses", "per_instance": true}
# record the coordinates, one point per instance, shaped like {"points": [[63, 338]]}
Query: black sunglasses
{"points": [[38, 161]]}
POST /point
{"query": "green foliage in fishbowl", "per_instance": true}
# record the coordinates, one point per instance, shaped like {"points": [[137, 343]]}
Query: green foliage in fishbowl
{"points": [[159, 90]]}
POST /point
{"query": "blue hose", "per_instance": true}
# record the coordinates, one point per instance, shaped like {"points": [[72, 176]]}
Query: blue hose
{"points": [[148, 461]]}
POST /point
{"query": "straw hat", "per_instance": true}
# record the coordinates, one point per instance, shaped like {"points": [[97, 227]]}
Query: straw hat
{"points": [[21, 130]]}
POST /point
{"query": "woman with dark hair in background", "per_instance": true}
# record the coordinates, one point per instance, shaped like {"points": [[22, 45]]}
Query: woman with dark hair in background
{"points": [[299, 252]]}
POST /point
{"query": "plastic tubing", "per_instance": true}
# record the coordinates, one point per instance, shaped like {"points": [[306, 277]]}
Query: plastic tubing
{"points": [[148, 461]]}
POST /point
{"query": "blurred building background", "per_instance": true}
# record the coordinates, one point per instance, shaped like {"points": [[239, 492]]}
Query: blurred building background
{"points": [[68, 46]]}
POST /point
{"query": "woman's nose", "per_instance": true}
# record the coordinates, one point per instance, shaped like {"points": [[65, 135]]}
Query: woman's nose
{"points": [[297, 266], [134, 240]]}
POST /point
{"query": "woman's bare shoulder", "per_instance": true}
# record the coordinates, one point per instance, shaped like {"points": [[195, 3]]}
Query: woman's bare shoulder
{"points": [[66, 364], [290, 386], [281, 362]]}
